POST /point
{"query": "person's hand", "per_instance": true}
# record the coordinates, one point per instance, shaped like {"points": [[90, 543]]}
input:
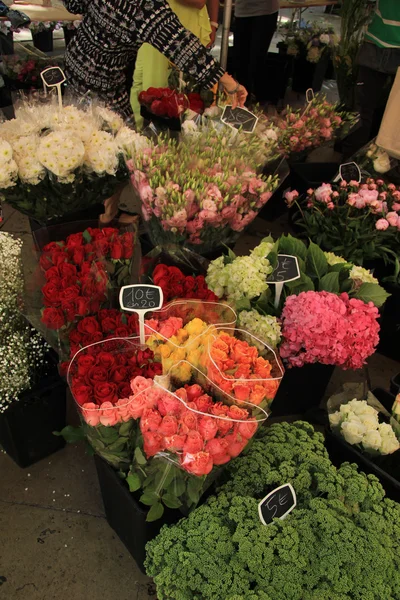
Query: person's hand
{"points": [[213, 35], [236, 92], [240, 97]]}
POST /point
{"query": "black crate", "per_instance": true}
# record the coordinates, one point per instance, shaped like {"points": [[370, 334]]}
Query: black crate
{"points": [[27, 426], [126, 516]]}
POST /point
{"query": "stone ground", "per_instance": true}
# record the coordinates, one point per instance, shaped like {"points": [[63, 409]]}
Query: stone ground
{"points": [[55, 541]]}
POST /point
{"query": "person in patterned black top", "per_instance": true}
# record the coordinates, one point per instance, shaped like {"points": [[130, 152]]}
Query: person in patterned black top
{"points": [[109, 37]]}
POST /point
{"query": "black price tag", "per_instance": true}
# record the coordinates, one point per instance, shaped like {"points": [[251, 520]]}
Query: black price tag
{"points": [[53, 76], [278, 504], [141, 297], [239, 118], [287, 269], [350, 172]]}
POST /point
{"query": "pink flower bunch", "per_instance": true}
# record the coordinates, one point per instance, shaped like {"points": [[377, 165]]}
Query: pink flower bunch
{"points": [[301, 130], [190, 425], [166, 328], [375, 197], [201, 188], [330, 329]]}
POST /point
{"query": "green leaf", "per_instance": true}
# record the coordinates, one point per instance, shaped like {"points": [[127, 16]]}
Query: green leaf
{"points": [[339, 267], [125, 429], [330, 283], [171, 501], [108, 434], [149, 498], [243, 304], [139, 456], [291, 245], [273, 259], [194, 487], [372, 292], [71, 434], [133, 480], [303, 284], [155, 512], [177, 487], [230, 254], [316, 263], [118, 445], [86, 236]]}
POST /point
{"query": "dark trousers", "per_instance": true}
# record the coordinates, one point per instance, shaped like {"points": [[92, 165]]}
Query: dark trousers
{"points": [[252, 39], [376, 71]]}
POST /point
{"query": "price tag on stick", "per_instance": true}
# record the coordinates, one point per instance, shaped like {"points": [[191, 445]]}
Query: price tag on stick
{"points": [[349, 172], [239, 118], [309, 98], [141, 298], [54, 77], [287, 269], [278, 504]]}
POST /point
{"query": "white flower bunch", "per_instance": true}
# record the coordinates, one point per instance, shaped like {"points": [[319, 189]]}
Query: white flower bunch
{"points": [[262, 250], [130, 142], [8, 166], [358, 274], [61, 153], [245, 277], [264, 327], [102, 153], [358, 423], [11, 279]]}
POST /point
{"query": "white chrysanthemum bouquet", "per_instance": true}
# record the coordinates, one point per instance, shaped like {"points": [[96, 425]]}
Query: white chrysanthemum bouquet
{"points": [[22, 349], [54, 162]]}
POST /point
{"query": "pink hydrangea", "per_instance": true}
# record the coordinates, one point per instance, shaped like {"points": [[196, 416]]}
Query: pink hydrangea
{"points": [[329, 329]]}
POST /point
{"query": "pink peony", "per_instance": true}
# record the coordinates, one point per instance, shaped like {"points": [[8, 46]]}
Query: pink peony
{"points": [[291, 197], [392, 218], [382, 224], [323, 193]]}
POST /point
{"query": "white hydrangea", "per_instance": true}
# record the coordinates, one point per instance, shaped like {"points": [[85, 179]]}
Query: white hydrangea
{"points": [[360, 275], [265, 327], [246, 277], [102, 153], [334, 259], [61, 153], [390, 443], [262, 250]]}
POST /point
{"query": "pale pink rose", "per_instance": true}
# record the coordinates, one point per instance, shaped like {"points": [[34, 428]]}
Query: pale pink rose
{"points": [[179, 219], [396, 206], [91, 413], [137, 405], [123, 409], [392, 218], [238, 201], [255, 185], [335, 194], [140, 384], [382, 224], [210, 217], [108, 414]]}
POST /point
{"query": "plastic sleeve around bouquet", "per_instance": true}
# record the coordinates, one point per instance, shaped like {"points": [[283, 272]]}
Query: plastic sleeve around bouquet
{"points": [[80, 270], [99, 378], [180, 329], [185, 437], [242, 367]]}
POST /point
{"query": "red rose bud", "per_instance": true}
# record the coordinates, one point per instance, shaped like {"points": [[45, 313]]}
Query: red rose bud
{"points": [[152, 443], [88, 325], [51, 294], [52, 273], [53, 318], [247, 430], [105, 392], [198, 464], [218, 449], [159, 272], [208, 427], [193, 392], [106, 360], [116, 250], [194, 442], [69, 310], [78, 256], [119, 374], [75, 240], [169, 425], [67, 270], [84, 363]]}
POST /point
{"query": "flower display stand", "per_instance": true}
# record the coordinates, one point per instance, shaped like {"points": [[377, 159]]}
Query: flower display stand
{"points": [[126, 516], [43, 40], [309, 75], [301, 389], [304, 175], [27, 426]]}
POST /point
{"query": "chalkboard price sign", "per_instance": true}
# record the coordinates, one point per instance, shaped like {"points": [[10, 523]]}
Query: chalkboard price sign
{"points": [[239, 118], [350, 172], [287, 269], [53, 76], [278, 504], [141, 297]]}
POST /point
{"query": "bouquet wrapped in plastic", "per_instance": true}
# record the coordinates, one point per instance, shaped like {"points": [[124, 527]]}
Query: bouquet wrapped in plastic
{"points": [[56, 161], [80, 273], [203, 190]]}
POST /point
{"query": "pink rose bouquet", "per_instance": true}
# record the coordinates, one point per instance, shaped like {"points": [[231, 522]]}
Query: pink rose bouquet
{"points": [[360, 222], [202, 191], [185, 438], [329, 329]]}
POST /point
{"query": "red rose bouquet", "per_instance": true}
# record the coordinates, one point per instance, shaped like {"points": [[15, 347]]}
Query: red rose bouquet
{"points": [[165, 102], [175, 284], [99, 377], [185, 437], [81, 275]]}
